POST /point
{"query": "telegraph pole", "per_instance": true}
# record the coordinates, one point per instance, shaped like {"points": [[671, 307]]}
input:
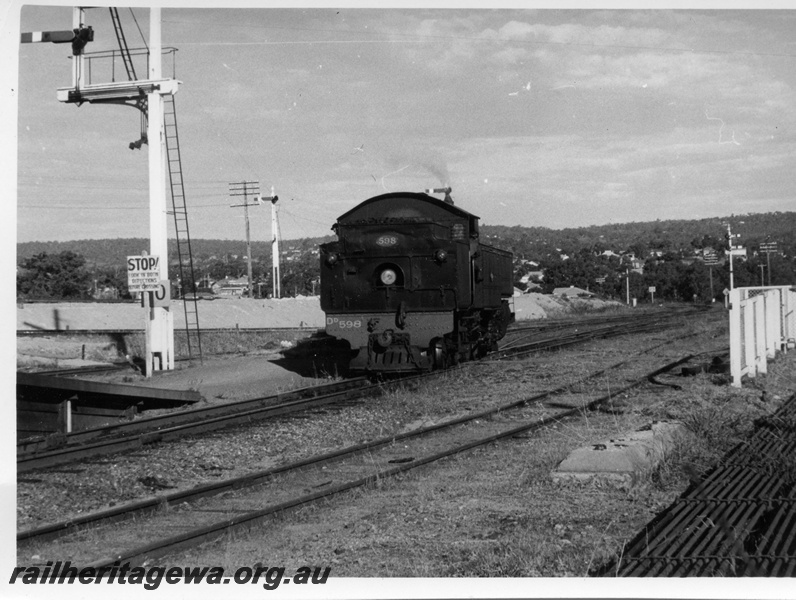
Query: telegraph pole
{"points": [[768, 247], [246, 188], [627, 284], [711, 260]]}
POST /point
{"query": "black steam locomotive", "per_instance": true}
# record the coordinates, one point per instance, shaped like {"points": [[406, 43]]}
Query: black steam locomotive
{"points": [[410, 287]]}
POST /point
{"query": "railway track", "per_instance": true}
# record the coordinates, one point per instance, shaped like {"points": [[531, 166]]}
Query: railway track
{"points": [[209, 511], [110, 439], [603, 326], [91, 443]]}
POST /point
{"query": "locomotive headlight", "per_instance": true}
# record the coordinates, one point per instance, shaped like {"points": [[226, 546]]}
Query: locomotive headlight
{"points": [[388, 277], [331, 259], [440, 256]]}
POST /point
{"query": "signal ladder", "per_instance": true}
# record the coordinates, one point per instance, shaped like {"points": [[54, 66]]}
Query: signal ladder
{"points": [[179, 210], [124, 50], [184, 254]]}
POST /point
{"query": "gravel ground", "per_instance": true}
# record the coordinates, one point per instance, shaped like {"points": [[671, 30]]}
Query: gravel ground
{"points": [[495, 511], [490, 512]]}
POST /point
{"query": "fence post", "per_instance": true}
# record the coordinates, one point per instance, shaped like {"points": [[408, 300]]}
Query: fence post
{"points": [[774, 323], [735, 337], [748, 336], [789, 315], [761, 331]]}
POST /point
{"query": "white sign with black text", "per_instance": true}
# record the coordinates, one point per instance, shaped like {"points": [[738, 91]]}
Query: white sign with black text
{"points": [[143, 273]]}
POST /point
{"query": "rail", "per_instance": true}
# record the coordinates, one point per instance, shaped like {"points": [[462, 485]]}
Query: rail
{"points": [[487, 431]]}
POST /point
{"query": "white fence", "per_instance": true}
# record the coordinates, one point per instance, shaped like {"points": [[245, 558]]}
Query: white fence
{"points": [[762, 322]]}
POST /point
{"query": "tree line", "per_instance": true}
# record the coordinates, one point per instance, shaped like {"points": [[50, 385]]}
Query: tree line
{"points": [[672, 277], [570, 257]]}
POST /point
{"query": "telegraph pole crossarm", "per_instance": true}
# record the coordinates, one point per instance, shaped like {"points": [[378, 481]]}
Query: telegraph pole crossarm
{"points": [[245, 189], [711, 260]]}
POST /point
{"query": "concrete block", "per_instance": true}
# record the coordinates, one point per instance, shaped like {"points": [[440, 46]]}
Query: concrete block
{"points": [[622, 459]]}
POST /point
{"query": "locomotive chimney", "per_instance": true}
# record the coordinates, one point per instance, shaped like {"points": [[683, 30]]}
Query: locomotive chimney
{"points": [[443, 190]]}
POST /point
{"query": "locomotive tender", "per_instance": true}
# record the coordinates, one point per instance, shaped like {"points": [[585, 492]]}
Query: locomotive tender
{"points": [[410, 287]]}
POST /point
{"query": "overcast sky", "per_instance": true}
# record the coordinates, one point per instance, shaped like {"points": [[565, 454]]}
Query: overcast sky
{"points": [[556, 118]]}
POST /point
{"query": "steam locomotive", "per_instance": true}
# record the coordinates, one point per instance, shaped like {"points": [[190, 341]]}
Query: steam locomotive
{"points": [[410, 287]]}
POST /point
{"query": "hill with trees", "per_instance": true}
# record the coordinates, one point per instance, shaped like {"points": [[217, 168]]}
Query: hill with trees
{"points": [[534, 243], [604, 259]]}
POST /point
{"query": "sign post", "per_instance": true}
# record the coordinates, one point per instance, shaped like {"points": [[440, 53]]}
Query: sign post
{"points": [[144, 277], [160, 321], [652, 294]]}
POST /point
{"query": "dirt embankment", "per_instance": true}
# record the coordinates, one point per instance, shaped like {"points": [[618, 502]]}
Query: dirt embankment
{"points": [[216, 314], [43, 351], [242, 313]]}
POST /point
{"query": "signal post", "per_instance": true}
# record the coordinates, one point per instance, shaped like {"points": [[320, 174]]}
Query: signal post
{"points": [[159, 320]]}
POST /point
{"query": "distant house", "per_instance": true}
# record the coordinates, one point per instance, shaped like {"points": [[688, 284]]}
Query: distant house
{"points": [[739, 253], [231, 287], [532, 287], [635, 264], [107, 292], [532, 276], [572, 292]]}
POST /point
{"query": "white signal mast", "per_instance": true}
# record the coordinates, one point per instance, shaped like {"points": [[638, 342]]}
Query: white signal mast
{"points": [[733, 249], [274, 243], [160, 321]]}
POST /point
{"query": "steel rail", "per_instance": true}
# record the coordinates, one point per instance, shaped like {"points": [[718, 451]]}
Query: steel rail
{"points": [[135, 434], [557, 325], [207, 533], [173, 426], [157, 422], [581, 336], [176, 498]]}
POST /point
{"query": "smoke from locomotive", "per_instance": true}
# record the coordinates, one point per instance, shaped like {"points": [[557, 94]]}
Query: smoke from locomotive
{"points": [[410, 287]]}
